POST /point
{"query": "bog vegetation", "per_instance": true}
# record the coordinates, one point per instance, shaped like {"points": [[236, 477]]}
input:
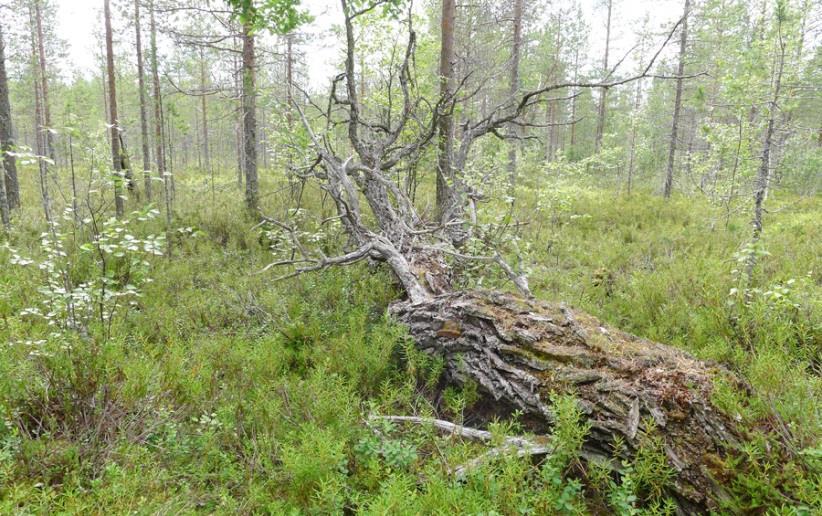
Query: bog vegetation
{"points": [[204, 255]]}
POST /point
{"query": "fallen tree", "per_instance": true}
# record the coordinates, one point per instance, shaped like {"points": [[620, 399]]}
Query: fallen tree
{"points": [[518, 350]]}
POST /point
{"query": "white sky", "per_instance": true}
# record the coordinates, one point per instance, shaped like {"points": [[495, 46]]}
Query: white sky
{"points": [[79, 20]]}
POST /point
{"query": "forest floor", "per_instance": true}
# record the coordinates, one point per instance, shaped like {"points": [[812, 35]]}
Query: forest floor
{"points": [[222, 391]]}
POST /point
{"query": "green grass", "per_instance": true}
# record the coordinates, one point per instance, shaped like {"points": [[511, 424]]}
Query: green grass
{"points": [[224, 392]]}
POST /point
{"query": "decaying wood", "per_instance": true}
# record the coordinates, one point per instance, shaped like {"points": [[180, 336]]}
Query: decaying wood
{"points": [[521, 351], [516, 446]]}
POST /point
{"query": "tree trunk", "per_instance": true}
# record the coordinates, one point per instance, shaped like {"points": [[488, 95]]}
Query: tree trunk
{"points": [[159, 150], [446, 179], [39, 129], [141, 84], [514, 88], [603, 93], [763, 176], [683, 41], [573, 142], [9, 179], [114, 123], [634, 127], [635, 112], [519, 352], [252, 189], [44, 87], [204, 109]]}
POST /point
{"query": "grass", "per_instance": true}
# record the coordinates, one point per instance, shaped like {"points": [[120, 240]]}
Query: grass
{"points": [[221, 391]]}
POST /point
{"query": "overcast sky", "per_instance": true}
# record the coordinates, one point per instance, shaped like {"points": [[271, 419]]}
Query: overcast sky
{"points": [[79, 20]]}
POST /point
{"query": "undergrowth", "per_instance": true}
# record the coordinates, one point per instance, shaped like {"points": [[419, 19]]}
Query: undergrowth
{"points": [[213, 389]]}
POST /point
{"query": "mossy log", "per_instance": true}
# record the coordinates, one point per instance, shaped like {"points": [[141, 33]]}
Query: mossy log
{"points": [[520, 351]]}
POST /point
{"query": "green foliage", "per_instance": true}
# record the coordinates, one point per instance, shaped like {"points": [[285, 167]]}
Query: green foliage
{"points": [[277, 16], [220, 391]]}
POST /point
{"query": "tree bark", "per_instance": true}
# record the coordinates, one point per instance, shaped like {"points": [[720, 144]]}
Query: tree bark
{"points": [[252, 189], [603, 93], [520, 352], [683, 42], [446, 178], [39, 129], [114, 123], [141, 84], [44, 86], [9, 179]]}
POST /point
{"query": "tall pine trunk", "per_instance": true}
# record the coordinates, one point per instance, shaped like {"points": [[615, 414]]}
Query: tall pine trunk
{"points": [[39, 129], [141, 84], [114, 123], [445, 171], [683, 41], [44, 86]]}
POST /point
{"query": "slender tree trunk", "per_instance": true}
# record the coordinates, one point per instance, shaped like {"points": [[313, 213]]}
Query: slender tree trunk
{"points": [[252, 189], [9, 178], [204, 116], [141, 84], [763, 176], [44, 87], [39, 136], [116, 155], [159, 150], [514, 88], [553, 108], [445, 171], [574, 102], [683, 42], [635, 114], [603, 93], [289, 108]]}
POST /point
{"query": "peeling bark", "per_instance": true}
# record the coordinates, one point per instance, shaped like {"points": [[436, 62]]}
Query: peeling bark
{"points": [[521, 351]]}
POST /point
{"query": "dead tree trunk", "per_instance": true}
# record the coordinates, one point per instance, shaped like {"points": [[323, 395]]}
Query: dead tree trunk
{"points": [[520, 351]]}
